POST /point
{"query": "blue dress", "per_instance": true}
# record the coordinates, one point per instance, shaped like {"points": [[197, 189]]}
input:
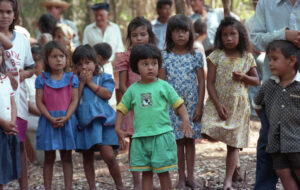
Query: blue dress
{"points": [[10, 159], [57, 96], [181, 73], [96, 118]]}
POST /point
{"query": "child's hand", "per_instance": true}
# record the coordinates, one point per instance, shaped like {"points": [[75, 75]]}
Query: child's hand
{"points": [[121, 135], [13, 81], [10, 128], [222, 112], [187, 131], [61, 121], [89, 77], [237, 76], [82, 77], [198, 114], [54, 122]]}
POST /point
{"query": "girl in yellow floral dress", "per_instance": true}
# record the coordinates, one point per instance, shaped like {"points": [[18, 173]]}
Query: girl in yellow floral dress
{"points": [[231, 68]]}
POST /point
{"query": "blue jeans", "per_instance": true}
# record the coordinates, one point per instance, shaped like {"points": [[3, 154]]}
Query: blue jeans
{"points": [[266, 178]]}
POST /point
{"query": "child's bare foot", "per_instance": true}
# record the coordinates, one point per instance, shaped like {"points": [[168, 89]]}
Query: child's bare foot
{"points": [[180, 184], [228, 186], [194, 184]]}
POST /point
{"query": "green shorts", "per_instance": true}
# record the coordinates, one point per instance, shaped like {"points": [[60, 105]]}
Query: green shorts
{"points": [[154, 153]]}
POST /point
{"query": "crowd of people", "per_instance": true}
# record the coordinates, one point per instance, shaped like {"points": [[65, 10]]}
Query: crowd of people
{"points": [[92, 97]]}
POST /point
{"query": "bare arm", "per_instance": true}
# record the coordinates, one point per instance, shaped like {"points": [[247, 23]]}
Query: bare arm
{"points": [[162, 74], [6, 43], [211, 78], [250, 78], [185, 125], [99, 90], [33, 109], [121, 134], [201, 93], [13, 110], [24, 74], [122, 81]]}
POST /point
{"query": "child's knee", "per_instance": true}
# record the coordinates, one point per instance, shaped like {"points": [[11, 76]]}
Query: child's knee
{"points": [[283, 173], [49, 157], [66, 156], [109, 159]]}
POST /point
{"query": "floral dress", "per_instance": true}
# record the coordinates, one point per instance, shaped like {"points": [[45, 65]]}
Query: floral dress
{"points": [[181, 73], [234, 96]]}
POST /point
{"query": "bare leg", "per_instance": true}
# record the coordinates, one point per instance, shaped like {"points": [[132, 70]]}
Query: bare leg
{"points": [[109, 158], [135, 175], [23, 181], [231, 161], [190, 162], [287, 180], [165, 181], [66, 158], [237, 172], [89, 169], [181, 163], [147, 181], [48, 169]]}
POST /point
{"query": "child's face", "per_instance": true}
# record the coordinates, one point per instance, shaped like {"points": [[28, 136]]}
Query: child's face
{"points": [[38, 62], [7, 14], [57, 60], [86, 65], [59, 36], [279, 65], [148, 69], [230, 37], [139, 35], [180, 37]]}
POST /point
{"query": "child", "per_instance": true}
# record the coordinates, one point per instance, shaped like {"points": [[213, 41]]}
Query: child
{"points": [[46, 24], [20, 65], [183, 69], [280, 98], [153, 148], [231, 68], [96, 118], [139, 31], [200, 28], [56, 98], [104, 52], [10, 167]]}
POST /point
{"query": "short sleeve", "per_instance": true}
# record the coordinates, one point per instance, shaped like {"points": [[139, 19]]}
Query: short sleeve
{"points": [[251, 60], [75, 82], [214, 57], [39, 83], [258, 100], [108, 82], [125, 105], [28, 60], [121, 62], [172, 97], [199, 59], [164, 56]]}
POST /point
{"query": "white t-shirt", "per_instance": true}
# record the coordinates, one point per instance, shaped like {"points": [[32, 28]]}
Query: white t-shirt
{"points": [[16, 58], [108, 68], [5, 93], [30, 90]]}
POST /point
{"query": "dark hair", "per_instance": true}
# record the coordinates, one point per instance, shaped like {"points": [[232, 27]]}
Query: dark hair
{"points": [[47, 49], [161, 3], [37, 49], [3, 64], [200, 26], [243, 45], [104, 50], [47, 23], [86, 52], [287, 49], [179, 22], [14, 4], [144, 51], [137, 22]]}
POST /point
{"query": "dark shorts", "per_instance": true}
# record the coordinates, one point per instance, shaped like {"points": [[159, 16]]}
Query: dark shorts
{"points": [[286, 160]]}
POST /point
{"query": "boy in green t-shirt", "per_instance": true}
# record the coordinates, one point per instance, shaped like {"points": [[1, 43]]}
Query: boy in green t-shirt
{"points": [[153, 148]]}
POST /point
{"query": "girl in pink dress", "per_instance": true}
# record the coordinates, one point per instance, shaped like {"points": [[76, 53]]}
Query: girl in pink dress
{"points": [[139, 31]]}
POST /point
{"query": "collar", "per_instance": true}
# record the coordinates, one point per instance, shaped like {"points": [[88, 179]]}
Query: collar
{"points": [[95, 25], [277, 79], [280, 1]]}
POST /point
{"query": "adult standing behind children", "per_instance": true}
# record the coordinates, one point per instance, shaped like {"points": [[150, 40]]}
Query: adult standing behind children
{"points": [[56, 7], [274, 20], [159, 25], [102, 30]]}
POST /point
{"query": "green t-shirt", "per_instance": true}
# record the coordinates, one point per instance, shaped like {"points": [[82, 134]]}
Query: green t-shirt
{"points": [[150, 104]]}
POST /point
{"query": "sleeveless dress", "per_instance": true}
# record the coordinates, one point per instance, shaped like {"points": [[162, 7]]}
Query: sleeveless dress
{"points": [[234, 96], [57, 98], [96, 118], [182, 75]]}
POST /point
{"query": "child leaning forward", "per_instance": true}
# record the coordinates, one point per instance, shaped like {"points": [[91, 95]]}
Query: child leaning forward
{"points": [[153, 149]]}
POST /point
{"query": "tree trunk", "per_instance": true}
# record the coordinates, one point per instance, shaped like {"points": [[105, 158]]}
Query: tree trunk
{"points": [[226, 7]]}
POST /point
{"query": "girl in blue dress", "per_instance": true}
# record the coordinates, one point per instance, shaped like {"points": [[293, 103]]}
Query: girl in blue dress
{"points": [[56, 98], [183, 69], [96, 119]]}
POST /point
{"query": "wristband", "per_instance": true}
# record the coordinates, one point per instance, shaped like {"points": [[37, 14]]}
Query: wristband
{"points": [[98, 88]]}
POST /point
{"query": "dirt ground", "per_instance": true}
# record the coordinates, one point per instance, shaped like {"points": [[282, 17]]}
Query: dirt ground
{"points": [[209, 168]]}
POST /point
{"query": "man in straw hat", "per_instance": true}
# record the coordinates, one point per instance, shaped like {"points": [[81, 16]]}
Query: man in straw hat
{"points": [[56, 7]]}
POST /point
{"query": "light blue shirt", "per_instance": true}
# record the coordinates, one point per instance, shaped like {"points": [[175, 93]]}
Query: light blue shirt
{"points": [[160, 30], [213, 22], [272, 18]]}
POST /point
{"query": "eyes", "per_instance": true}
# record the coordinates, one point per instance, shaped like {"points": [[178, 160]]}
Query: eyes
{"points": [[62, 56], [177, 30], [86, 62], [145, 64], [143, 34]]}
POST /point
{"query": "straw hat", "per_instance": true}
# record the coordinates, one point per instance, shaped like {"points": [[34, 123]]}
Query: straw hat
{"points": [[58, 3]]}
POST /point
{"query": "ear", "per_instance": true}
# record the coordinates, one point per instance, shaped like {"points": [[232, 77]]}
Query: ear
{"points": [[292, 61]]}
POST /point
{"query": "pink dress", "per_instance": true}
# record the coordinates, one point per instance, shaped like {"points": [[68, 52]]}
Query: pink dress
{"points": [[121, 63]]}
